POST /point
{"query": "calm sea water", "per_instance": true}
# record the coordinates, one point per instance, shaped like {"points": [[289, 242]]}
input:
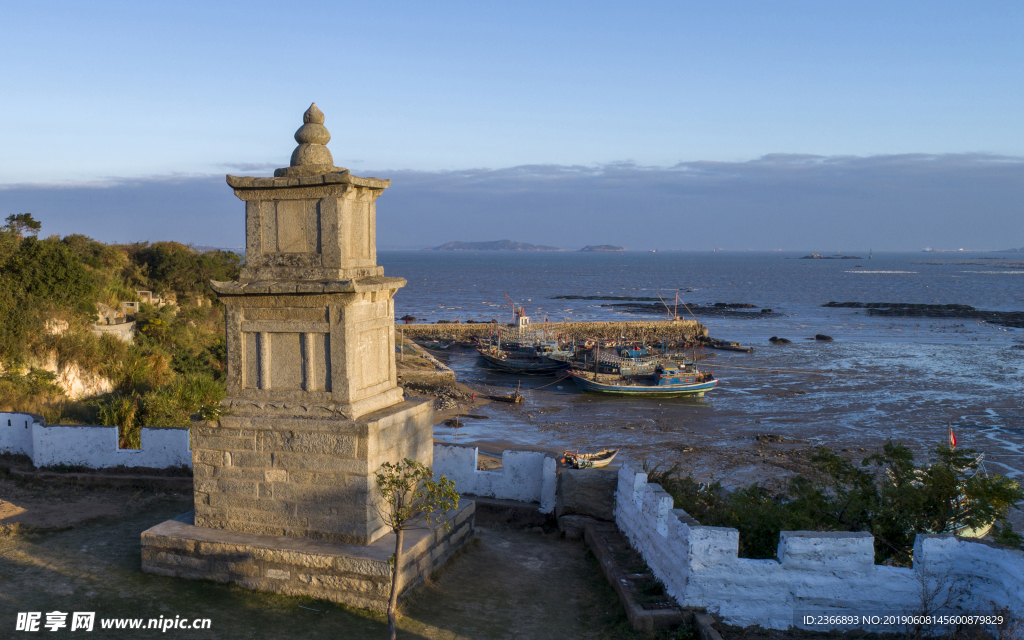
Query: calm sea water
{"points": [[470, 285], [900, 378]]}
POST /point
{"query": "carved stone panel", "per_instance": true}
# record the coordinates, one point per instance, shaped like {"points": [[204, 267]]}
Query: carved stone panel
{"points": [[287, 227], [372, 358], [286, 349], [291, 226], [286, 363]]}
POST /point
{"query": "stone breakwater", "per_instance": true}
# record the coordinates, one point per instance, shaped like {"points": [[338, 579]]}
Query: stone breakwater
{"points": [[688, 330]]}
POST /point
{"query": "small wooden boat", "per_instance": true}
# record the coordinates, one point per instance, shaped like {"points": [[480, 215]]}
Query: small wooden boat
{"points": [[729, 346], [514, 398], [597, 460]]}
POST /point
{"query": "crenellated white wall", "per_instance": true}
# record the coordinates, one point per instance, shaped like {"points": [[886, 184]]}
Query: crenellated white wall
{"points": [[815, 573], [96, 447], [527, 476], [90, 446]]}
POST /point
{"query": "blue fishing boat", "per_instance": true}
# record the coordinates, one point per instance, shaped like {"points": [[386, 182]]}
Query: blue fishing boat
{"points": [[669, 380]]}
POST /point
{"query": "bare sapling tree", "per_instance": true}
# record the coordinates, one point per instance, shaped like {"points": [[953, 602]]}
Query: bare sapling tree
{"points": [[411, 499]]}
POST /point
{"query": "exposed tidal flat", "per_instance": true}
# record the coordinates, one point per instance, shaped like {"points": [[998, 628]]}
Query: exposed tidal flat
{"points": [[883, 377]]}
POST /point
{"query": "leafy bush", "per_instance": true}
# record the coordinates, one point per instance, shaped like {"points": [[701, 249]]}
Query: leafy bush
{"points": [[48, 292], [889, 495], [171, 406]]}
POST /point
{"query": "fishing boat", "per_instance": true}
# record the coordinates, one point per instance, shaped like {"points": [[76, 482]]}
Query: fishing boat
{"points": [[629, 360], [578, 460], [536, 359], [525, 350], [669, 380]]}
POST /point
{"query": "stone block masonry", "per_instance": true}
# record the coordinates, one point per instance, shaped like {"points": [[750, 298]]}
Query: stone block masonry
{"points": [[313, 408], [632, 330], [358, 575], [303, 477]]}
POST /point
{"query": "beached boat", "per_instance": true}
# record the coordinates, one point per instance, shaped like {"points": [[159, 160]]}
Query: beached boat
{"points": [[728, 346], [669, 380], [597, 460], [514, 397]]}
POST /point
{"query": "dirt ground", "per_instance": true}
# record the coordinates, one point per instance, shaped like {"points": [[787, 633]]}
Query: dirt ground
{"points": [[77, 549]]}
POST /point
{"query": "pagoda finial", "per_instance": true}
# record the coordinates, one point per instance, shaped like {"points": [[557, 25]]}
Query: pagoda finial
{"points": [[312, 155]]}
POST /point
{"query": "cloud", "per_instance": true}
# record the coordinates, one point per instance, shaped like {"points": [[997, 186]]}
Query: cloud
{"points": [[250, 166], [776, 201], [788, 201], [196, 209]]}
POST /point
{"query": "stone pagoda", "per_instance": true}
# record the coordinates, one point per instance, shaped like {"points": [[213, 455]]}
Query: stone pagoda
{"points": [[284, 480]]}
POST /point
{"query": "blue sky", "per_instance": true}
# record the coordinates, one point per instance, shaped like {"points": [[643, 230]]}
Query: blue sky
{"points": [[101, 93]]}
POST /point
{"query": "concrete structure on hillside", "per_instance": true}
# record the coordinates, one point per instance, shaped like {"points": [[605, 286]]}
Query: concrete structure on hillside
{"points": [[313, 407]]}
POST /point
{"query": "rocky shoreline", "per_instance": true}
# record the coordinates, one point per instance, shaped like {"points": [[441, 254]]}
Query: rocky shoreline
{"points": [[720, 309], [955, 311]]}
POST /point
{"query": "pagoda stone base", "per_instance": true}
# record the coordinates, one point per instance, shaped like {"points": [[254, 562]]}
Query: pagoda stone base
{"points": [[357, 575], [303, 475]]}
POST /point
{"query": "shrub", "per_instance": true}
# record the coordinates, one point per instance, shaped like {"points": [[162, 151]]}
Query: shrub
{"points": [[889, 495]]}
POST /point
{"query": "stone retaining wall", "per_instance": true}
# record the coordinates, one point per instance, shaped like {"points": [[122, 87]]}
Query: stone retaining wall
{"points": [[815, 573], [633, 330]]}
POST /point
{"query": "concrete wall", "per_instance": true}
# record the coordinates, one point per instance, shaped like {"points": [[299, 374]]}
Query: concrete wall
{"points": [[814, 573], [96, 447], [90, 446], [526, 476], [16, 432], [125, 332]]}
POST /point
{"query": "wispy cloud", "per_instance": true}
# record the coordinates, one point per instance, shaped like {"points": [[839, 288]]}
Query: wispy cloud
{"points": [[249, 166]]}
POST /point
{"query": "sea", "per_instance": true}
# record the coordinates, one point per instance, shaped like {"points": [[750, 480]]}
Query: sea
{"points": [[909, 380]]}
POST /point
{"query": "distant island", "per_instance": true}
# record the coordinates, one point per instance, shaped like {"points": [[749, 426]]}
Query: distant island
{"points": [[818, 256], [493, 245], [601, 247]]}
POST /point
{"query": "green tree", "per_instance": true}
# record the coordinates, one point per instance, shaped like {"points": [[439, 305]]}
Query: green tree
{"points": [[172, 267], [410, 499], [23, 224]]}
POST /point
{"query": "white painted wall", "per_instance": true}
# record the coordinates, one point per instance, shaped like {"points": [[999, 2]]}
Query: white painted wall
{"points": [[16, 433], [96, 447], [814, 573], [526, 476], [91, 446]]}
